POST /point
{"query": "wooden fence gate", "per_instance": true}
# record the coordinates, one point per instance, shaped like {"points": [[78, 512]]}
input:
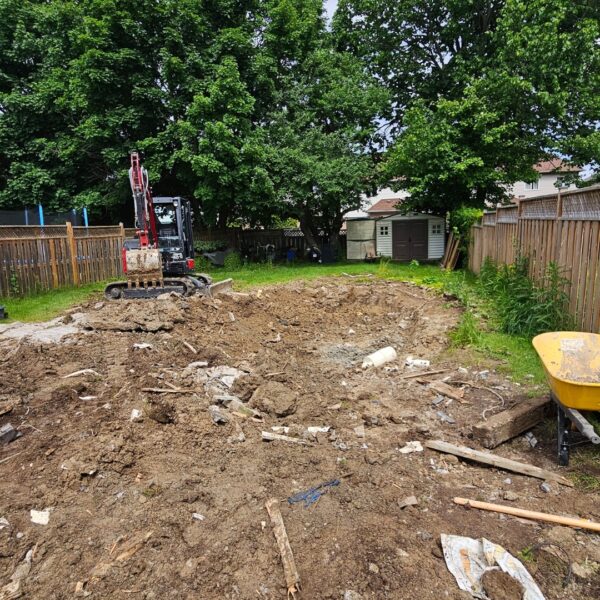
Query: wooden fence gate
{"points": [[35, 259], [564, 229]]}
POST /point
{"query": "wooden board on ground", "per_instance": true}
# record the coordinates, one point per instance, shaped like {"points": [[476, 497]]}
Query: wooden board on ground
{"points": [[507, 424], [497, 461]]}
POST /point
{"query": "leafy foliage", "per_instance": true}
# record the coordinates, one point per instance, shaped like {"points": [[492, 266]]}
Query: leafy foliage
{"points": [[526, 308]]}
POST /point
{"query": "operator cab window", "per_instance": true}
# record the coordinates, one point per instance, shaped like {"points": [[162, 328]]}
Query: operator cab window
{"points": [[167, 225]]}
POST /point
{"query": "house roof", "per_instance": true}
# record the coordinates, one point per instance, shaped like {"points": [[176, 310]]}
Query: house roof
{"points": [[385, 205], [556, 165]]}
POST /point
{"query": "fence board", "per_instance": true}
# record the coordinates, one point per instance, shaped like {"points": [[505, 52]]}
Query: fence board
{"points": [[564, 230], [34, 259]]}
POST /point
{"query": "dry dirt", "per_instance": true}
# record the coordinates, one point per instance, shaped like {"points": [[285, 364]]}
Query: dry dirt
{"points": [[172, 505]]}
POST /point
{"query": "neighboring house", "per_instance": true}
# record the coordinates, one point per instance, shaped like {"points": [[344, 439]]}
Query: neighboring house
{"points": [[549, 173]]}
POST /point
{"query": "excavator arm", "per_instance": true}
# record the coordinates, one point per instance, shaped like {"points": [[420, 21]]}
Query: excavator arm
{"points": [[145, 218]]}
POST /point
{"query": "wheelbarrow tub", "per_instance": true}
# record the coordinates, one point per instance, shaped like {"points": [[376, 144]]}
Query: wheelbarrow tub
{"points": [[571, 360]]}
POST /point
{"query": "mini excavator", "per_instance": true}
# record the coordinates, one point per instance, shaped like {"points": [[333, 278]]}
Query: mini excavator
{"points": [[160, 258]]}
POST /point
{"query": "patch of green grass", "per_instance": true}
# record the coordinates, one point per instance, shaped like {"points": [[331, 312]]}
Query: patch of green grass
{"points": [[526, 555], [254, 275], [586, 462], [48, 305], [519, 358], [467, 332]]}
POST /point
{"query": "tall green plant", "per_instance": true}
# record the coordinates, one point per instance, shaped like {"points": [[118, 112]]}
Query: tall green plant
{"points": [[523, 307]]}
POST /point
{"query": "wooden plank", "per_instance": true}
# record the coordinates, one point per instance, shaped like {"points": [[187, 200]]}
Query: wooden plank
{"points": [[510, 423], [528, 514], [496, 461]]}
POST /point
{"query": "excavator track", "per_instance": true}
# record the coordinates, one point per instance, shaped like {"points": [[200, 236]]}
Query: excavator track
{"points": [[125, 290], [186, 286]]}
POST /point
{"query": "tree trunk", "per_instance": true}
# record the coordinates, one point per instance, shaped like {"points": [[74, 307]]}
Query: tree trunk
{"points": [[307, 228]]}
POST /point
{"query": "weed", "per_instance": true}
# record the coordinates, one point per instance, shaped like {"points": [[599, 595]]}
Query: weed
{"points": [[383, 268], [13, 282], [233, 261], [467, 333], [152, 491], [527, 554], [413, 264], [585, 482], [523, 307]]}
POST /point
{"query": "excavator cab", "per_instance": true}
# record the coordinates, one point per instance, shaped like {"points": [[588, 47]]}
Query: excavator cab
{"points": [[174, 232]]}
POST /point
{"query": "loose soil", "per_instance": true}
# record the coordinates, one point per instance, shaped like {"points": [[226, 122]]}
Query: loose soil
{"points": [[172, 505]]}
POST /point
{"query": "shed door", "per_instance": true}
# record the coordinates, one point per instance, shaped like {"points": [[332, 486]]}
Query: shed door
{"points": [[409, 240]]}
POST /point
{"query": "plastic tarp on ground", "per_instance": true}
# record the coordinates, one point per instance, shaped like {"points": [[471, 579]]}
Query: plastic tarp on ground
{"points": [[468, 559]]}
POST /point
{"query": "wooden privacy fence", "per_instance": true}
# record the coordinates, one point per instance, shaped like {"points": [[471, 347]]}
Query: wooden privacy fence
{"points": [[247, 239], [34, 259], [562, 228]]}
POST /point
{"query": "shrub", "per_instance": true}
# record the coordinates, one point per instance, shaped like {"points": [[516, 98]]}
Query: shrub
{"points": [[209, 246], [233, 261], [523, 307]]}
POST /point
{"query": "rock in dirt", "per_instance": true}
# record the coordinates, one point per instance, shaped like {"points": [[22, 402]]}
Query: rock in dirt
{"points": [[352, 595], [8, 434], [136, 416], [217, 415], [501, 586], [408, 501], [510, 496], [274, 398]]}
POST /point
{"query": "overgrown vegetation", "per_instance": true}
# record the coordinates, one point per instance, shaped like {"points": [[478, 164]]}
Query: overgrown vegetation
{"points": [[523, 307]]}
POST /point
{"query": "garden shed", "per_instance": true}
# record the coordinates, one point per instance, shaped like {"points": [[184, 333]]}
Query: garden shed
{"points": [[411, 237]]}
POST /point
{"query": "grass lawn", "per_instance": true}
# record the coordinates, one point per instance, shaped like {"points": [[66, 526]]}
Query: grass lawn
{"points": [[48, 305], [480, 335]]}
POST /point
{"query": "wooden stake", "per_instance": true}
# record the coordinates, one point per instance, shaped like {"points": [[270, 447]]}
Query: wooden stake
{"points": [[529, 514], [497, 461], [133, 549], [424, 374], [292, 577]]}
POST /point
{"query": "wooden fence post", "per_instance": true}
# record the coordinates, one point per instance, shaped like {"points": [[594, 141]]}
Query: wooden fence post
{"points": [[73, 252]]}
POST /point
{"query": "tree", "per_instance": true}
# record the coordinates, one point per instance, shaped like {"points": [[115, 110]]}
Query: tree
{"points": [[419, 49], [84, 82], [490, 88]]}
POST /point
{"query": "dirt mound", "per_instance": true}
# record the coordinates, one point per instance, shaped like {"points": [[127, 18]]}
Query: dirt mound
{"points": [[501, 586], [137, 315], [172, 504]]}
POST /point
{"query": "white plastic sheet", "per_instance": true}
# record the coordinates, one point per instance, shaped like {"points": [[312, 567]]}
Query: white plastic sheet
{"points": [[468, 559]]}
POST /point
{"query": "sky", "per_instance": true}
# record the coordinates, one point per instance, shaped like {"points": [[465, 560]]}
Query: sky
{"points": [[330, 6]]}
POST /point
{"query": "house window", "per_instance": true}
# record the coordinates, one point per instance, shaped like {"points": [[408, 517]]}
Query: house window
{"points": [[384, 230], [436, 229], [531, 186]]}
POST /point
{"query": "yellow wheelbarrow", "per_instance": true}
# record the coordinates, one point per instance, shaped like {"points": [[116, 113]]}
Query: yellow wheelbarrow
{"points": [[571, 360]]}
